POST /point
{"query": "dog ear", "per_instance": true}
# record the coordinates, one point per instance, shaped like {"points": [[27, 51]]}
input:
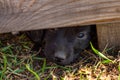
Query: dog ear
{"points": [[36, 36]]}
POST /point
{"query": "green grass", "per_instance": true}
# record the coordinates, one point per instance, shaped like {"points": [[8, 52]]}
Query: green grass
{"points": [[2, 74], [18, 63], [33, 72], [107, 60]]}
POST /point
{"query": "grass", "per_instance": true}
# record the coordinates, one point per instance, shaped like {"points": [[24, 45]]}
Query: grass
{"points": [[17, 62], [4, 66], [106, 59], [34, 73]]}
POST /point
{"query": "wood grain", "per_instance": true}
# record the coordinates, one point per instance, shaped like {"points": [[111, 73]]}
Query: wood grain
{"points": [[21, 15], [108, 35]]}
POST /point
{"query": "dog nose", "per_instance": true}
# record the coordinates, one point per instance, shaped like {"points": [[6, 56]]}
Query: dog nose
{"points": [[60, 56]]}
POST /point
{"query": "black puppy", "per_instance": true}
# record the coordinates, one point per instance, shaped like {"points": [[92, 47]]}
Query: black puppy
{"points": [[64, 45]]}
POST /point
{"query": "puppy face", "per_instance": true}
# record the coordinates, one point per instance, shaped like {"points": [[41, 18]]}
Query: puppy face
{"points": [[64, 45]]}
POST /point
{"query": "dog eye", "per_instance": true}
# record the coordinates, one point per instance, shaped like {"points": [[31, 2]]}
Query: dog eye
{"points": [[81, 35]]}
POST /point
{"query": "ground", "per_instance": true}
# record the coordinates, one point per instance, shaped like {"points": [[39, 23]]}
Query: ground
{"points": [[18, 62]]}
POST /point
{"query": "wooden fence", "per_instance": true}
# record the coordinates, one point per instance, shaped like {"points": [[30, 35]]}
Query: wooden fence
{"points": [[22, 15]]}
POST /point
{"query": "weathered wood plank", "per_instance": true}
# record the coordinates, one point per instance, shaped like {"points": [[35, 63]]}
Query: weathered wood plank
{"points": [[20, 15], [108, 35]]}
